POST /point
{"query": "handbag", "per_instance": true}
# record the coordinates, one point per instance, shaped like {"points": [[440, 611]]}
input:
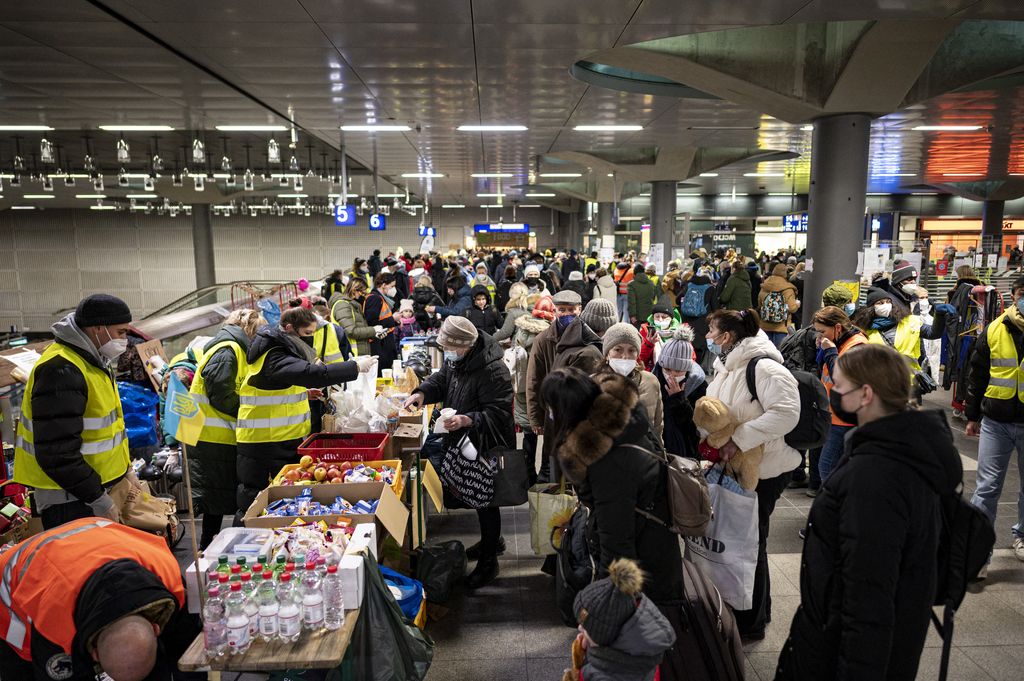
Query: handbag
{"points": [[689, 501], [142, 510], [511, 478], [497, 477], [727, 553], [551, 505]]}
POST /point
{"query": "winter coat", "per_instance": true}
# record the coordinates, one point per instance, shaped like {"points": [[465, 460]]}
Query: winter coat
{"points": [[737, 292], [375, 264], [458, 305], [421, 297], [478, 386], [636, 652], [641, 294], [788, 292], [501, 297], [650, 396], [59, 397], [767, 420], [508, 327], [605, 288], [487, 320], [379, 311], [577, 346], [579, 287], [348, 314], [868, 574], [800, 350], [212, 464], [755, 281], [614, 479], [979, 373], [528, 328]]}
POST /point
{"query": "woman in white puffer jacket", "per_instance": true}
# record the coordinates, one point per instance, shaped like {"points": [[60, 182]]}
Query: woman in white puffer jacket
{"points": [[736, 338]]}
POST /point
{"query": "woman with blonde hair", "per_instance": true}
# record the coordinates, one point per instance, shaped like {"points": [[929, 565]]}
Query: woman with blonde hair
{"points": [[516, 307], [348, 314]]}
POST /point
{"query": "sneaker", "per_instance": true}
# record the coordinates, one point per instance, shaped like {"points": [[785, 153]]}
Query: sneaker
{"points": [[1018, 548], [811, 492], [473, 552], [797, 484]]}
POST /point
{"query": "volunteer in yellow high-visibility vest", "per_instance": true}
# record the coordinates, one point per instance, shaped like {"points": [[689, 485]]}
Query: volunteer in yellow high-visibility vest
{"points": [[218, 377], [71, 444], [273, 411]]}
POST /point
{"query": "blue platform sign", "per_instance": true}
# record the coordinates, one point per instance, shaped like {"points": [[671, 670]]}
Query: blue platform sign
{"points": [[345, 215], [794, 222], [427, 231], [507, 227], [378, 223]]}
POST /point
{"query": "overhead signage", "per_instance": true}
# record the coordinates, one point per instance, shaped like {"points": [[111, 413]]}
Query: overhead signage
{"points": [[427, 231], [378, 223], [344, 216], [507, 227], [794, 222]]}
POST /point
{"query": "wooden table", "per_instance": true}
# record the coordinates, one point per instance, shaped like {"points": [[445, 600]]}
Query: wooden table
{"points": [[320, 650]]}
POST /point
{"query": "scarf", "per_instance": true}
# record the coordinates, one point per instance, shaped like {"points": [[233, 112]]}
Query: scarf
{"points": [[1015, 317], [883, 323], [299, 348]]}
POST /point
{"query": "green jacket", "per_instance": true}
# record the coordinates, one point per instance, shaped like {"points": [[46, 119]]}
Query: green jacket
{"points": [[641, 296], [736, 294], [348, 314]]}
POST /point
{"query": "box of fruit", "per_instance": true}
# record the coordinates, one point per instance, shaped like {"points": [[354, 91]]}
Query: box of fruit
{"points": [[309, 472]]}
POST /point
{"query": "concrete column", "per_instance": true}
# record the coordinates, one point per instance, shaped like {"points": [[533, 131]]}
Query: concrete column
{"points": [[992, 227], [605, 221], [835, 222], [663, 218], [202, 245]]}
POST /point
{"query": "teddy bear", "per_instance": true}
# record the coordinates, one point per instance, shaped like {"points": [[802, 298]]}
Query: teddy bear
{"points": [[713, 417]]}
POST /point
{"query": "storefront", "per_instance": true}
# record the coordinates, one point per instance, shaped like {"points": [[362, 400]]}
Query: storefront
{"points": [[963, 235]]}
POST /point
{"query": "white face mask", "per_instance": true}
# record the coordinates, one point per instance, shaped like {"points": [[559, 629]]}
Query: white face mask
{"points": [[925, 305], [592, 276], [663, 323], [909, 289], [623, 367], [883, 309], [113, 348], [392, 291]]}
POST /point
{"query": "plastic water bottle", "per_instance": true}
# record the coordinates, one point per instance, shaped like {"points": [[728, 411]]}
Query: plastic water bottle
{"points": [[289, 614], [252, 609], [334, 603], [238, 621], [266, 598], [312, 599], [222, 564], [215, 634]]}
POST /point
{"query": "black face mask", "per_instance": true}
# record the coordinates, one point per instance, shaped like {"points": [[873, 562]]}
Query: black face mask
{"points": [[308, 340], [835, 400]]}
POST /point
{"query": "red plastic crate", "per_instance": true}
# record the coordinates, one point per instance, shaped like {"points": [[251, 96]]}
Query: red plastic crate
{"points": [[335, 447]]}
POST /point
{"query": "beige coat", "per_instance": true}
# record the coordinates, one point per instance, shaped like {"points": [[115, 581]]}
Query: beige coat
{"points": [[781, 284], [650, 396]]}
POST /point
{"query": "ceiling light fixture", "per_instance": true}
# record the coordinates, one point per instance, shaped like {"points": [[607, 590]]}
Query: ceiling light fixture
{"points": [[946, 128], [491, 128], [136, 196], [709, 174], [723, 127], [489, 196], [37, 196], [422, 176], [807, 128], [561, 175], [530, 205], [608, 128], [251, 128], [491, 175], [45, 150], [764, 174], [23, 207], [492, 205], [24, 128], [102, 207], [91, 196], [375, 128], [122, 151], [292, 196], [539, 195], [136, 128], [453, 205], [893, 174], [273, 151]]}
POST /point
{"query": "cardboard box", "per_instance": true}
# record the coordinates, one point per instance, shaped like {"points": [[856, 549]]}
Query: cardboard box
{"points": [[431, 487], [147, 351], [407, 439], [391, 515], [398, 486], [353, 581]]}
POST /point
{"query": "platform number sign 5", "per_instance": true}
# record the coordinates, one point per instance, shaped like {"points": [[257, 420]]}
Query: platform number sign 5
{"points": [[378, 223], [345, 215]]}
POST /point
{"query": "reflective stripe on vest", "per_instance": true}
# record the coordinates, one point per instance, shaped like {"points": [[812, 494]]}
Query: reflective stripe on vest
{"points": [[908, 339], [218, 428], [104, 440], [353, 343], [325, 342], [271, 415], [1006, 377]]}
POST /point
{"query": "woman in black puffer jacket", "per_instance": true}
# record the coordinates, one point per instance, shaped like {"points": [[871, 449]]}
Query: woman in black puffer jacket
{"points": [[868, 575]]}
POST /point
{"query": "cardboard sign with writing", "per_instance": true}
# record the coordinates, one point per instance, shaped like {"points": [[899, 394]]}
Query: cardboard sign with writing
{"points": [[147, 352]]}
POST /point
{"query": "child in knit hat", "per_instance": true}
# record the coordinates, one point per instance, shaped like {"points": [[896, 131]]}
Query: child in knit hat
{"points": [[407, 325], [623, 635]]}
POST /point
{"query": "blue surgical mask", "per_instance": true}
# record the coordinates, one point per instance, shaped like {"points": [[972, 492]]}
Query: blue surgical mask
{"points": [[451, 356], [1020, 305], [565, 320], [714, 348], [849, 308]]}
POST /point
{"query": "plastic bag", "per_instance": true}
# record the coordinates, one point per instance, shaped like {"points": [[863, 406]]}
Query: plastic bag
{"points": [[139, 406], [385, 645], [364, 387], [406, 590], [440, 567], [271, 310]]}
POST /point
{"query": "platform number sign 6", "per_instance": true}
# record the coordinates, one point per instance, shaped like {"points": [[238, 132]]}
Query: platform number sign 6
{"points": [[344, 215], [377, 222]]}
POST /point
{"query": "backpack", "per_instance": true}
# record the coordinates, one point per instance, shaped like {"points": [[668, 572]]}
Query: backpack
{"points": [[574, 566], [694, 302], [812, 429], [774, 308], [688, 498]]}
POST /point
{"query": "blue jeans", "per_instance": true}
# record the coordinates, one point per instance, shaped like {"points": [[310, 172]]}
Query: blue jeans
{"points": [[776, 337], [832, 450], [622, 301], [997, 444]]}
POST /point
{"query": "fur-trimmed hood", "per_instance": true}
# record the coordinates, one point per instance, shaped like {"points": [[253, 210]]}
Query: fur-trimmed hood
{"points": [[531, 324], [594, 437]]}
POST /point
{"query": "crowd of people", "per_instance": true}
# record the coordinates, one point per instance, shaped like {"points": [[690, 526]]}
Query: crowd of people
{"points": [[600, 367]]}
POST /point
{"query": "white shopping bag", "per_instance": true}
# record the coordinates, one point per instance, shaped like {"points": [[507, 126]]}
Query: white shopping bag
{"points": [[364, 387], [550, 506], [727, 553]]}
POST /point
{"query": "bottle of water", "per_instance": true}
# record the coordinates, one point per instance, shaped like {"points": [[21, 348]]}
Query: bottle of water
{"points": [[312, 599], [266, 598], [289, 614], [215, 632], [238, 620], [334, 604], [252, 609]]}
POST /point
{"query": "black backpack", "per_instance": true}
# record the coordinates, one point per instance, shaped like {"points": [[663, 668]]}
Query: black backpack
{"points": [[812, 429]]}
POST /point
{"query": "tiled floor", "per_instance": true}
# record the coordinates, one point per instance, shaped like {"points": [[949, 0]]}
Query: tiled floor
{"points": [[511, 631]]}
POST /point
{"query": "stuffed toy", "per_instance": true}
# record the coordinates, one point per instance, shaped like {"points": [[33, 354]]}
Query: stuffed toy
{"points": [[712, 417]]}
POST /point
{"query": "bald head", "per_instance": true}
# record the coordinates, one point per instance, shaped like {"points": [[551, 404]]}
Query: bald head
{"points": [[126, 649]]}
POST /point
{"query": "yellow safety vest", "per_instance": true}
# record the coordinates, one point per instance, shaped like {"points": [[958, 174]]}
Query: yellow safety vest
{"points": [[587, 262], [654, 280], [104, 440], [325, 342], [334, 320], [1006, 377], [271, 415], [908, 339], [219, 427]]}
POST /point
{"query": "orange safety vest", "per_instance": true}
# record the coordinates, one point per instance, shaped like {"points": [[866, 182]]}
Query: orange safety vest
{"points": [[61, 561], [851, 342], [385, 311], [623, 281]]}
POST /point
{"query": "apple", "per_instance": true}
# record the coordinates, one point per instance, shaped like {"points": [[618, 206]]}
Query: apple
{"points": [[320, 473], [305, 475], [334, 475], [292, 475], [346, 466], [306, 461]]}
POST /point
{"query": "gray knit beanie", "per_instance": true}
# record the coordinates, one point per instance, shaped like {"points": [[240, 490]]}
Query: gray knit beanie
{"points": [[620, 333], [599, 314], [457, 332], [677, 353]]}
